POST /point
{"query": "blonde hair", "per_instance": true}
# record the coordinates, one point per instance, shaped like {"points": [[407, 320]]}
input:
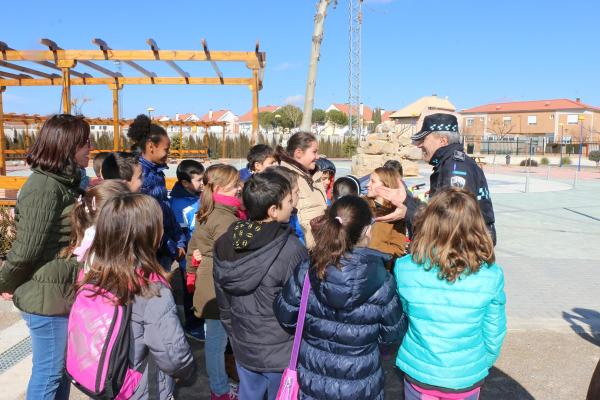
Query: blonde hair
{"points": [[221, 175], [389, 177], [87, 208], [128, 234], [451, 234]]}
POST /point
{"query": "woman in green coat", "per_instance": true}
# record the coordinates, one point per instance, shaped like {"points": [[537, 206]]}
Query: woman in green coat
{"points": [[36, 275]]}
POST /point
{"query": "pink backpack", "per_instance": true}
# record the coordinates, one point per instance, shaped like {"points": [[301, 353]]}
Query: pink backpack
{"points": [[98, 346]]}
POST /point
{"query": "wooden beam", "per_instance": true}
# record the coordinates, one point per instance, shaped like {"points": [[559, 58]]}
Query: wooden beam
{"points": [[28, 70], [116, 128], [15, 76], [255, 107], [100, 68], [2, 138], [129, 55], [212, 63], [170, 63], [54, 47], [105, 48], [128, 81], [66, 92]]}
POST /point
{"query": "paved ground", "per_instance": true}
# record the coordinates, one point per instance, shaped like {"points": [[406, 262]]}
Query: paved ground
{"points": [[548, 247]]}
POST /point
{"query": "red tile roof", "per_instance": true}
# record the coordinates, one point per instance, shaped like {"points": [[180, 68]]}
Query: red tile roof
{"points": [[183, 117], [385, 116], [535, 105], [367, 112], [248, 116], [215, 115]]}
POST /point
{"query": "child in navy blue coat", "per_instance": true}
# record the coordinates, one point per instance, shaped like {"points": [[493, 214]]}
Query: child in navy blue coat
{"points": [[152, 142]]}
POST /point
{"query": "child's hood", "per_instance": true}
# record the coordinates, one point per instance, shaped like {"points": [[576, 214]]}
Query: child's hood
{"points": [[179, 191], [362, 273], [246, 252]]}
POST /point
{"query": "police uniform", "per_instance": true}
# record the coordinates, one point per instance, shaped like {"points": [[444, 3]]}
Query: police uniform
{"points": [[453, 168]]}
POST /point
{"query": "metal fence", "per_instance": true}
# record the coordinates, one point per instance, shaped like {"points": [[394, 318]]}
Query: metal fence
{"points": [[528, 146]]}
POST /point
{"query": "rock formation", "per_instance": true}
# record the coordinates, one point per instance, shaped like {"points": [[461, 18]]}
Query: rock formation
{"points": [[389, 142]]}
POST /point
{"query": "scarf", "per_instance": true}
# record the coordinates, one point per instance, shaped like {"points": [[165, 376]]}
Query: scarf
{"points": [[231, 202]]}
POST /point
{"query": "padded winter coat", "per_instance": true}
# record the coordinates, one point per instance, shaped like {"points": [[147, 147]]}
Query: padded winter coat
{"points": [[35, 272], [349, 314], [312, 202], [203, 239], [154, 185], [246, 289], [156, 330], [455, 331]]}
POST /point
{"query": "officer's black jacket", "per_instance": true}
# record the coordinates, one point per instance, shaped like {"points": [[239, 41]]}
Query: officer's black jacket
{"points": [[453, 168]]}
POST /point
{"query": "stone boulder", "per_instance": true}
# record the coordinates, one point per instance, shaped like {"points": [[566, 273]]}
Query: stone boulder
{"points": [[389, 142]]}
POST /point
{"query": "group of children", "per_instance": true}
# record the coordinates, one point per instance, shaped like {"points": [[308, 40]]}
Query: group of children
{"points": [[248, 241]]}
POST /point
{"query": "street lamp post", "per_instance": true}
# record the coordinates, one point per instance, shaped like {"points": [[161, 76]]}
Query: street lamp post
{"points": [[150, 111]]}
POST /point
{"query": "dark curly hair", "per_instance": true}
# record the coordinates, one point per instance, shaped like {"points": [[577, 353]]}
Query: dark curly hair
{"points": [[142, 130]]}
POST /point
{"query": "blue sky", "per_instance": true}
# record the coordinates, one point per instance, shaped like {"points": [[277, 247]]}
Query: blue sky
{"points": [[472, 51]]}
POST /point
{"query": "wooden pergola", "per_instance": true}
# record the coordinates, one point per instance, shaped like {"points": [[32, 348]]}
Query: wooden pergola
{"points": [[28, 120], [65, 61]]}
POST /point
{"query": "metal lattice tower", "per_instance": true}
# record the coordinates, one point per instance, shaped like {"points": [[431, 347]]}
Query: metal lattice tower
{"points": [[354, 115]]}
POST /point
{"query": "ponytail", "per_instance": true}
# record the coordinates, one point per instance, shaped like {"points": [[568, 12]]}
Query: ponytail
{"points": [[338, 232], [87, 207]]}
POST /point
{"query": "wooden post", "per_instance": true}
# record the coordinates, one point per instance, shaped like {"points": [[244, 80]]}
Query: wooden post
{"points": [[2, 138], [255, 107], [65, 66], [223, 146], [26, 136], [116, 126], [180, 141]]}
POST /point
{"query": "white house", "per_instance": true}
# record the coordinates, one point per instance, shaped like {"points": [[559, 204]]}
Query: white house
{"points": [[226, 116]]}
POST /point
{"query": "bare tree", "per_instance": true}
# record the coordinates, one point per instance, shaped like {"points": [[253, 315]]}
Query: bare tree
{"points": [[78, 103], [499, 128], [317, 38]]}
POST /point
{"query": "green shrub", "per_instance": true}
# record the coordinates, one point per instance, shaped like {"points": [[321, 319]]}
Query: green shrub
{"points": [[545, 161], [7, 230], [595, 156], [566, 161], [528, 162]]}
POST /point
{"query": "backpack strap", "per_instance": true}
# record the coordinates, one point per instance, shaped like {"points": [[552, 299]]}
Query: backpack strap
{"points": [[153, 391]]}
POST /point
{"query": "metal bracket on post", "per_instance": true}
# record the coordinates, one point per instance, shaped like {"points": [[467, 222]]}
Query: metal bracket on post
{"points": [[65, 66]]}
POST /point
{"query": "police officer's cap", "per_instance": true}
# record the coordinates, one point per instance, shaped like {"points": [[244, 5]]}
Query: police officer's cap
{"points": [[436, 123]]}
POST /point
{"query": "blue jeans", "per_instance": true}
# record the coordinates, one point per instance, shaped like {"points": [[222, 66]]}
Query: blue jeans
{"points": [[214, 356], [257, 385], [49, 345]]}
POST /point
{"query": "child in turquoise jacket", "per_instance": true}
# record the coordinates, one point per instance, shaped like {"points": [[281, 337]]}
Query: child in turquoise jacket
{"points": [[453, 294]]}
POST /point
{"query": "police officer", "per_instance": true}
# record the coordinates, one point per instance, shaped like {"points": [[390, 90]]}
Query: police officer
{"points": [[440, 142]]}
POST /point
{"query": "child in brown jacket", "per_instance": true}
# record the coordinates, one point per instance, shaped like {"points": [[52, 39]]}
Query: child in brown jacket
{"points": [[387, 237]]}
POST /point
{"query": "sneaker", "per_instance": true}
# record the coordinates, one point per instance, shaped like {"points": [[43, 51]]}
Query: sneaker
{"points": [[232, 395], [196, 334]]}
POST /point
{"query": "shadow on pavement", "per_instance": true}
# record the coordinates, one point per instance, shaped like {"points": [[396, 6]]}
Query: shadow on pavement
{"points": [[582, 317], [497, 386]]}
